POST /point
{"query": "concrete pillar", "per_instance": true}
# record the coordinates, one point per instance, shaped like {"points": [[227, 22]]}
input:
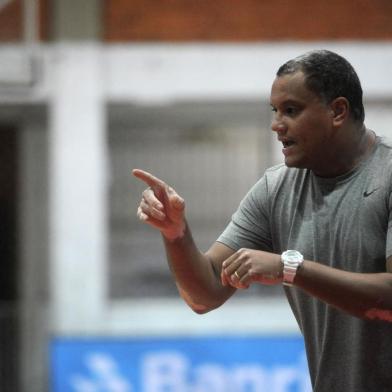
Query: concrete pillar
{"points": [[77, 163]]}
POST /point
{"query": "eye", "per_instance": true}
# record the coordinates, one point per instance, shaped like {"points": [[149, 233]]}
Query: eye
{"points": [[291, 110]]}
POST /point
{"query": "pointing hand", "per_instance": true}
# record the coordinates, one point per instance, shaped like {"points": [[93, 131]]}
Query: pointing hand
{"points": [[161, 206]]}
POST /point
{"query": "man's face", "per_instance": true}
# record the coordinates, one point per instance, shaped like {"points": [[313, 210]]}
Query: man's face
{"points": [[303, 123]]}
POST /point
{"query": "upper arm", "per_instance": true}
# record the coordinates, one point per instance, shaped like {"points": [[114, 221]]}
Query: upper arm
{"points": [[217, 254]]}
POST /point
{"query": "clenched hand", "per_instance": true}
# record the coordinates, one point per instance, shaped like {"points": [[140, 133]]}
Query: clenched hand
{"points": [[248, 265]]}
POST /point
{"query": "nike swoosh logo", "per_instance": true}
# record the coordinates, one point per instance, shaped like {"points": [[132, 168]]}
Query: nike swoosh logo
{"points": [[366, 193]]}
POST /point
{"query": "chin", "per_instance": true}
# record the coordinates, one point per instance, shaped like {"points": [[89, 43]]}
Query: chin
{"points": [[294, 163], [290, 162]]}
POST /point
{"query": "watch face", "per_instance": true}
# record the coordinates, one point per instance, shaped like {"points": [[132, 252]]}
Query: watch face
{"points": [[292, 259], [292, 255]]}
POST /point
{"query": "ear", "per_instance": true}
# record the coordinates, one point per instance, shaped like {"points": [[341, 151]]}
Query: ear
{"points": [[340, 110]]}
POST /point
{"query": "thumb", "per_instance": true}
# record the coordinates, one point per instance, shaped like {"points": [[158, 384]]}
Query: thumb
{"points": [[178, 202], [175, 200], [177, 206]]}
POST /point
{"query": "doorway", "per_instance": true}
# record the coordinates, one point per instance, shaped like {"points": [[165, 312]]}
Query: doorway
{"points": [[9, 294]]}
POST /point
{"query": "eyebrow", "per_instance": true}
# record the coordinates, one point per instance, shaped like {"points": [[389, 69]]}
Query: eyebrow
{"points": [[287, 102]]}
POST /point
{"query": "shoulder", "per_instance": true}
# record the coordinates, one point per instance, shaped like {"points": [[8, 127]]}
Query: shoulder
{"points": [[382, 158], [384, 146], [280, 176], [278, 182], [379, 166], [271, 177]]}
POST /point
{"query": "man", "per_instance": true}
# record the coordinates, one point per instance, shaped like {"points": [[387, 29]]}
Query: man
{"points": [[329, 205]]}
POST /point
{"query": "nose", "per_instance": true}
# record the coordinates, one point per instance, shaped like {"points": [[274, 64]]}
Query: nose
{"points": [[278, 126]]}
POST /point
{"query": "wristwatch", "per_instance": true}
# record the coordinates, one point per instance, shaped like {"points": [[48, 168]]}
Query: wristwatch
{"points": [[291, 260]]}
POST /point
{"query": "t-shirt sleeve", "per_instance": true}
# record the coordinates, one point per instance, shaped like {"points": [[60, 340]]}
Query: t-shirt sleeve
{"points": [[249, 226]]}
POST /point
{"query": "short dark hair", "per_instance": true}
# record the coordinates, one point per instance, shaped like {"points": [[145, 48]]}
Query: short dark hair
{"points": [[329, 76]]}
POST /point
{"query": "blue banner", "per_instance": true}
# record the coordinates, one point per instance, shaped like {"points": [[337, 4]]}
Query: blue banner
{"points": [[189, 364]]}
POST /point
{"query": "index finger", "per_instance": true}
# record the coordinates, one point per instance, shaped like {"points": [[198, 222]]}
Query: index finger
{"points": [[226, 263], [148, 178]]}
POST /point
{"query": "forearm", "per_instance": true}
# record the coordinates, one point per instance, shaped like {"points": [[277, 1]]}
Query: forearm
{"points": [[197, 281], [363, 295]]}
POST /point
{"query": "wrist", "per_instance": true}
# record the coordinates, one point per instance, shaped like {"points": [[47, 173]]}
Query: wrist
{"points": [[174, 234], [292, 261]]}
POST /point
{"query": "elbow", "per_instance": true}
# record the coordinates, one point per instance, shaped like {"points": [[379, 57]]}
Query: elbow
{"points": [[199, 306], [199, 309], [202, 308]]}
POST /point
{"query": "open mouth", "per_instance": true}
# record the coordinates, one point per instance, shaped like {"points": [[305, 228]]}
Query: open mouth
{"points": [[287, 144]]}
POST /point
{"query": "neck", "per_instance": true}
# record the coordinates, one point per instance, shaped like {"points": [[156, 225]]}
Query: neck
{"points": [[356, 146]]}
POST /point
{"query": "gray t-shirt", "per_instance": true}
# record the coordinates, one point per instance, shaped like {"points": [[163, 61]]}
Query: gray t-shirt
{"points": [[342, 222]]}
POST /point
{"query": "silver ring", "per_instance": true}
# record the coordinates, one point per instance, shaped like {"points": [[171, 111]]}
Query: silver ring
{"points": [[236, 275]]}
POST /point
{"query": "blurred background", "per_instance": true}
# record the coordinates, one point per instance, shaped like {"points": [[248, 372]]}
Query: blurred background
{"points": [[91, 89]]}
